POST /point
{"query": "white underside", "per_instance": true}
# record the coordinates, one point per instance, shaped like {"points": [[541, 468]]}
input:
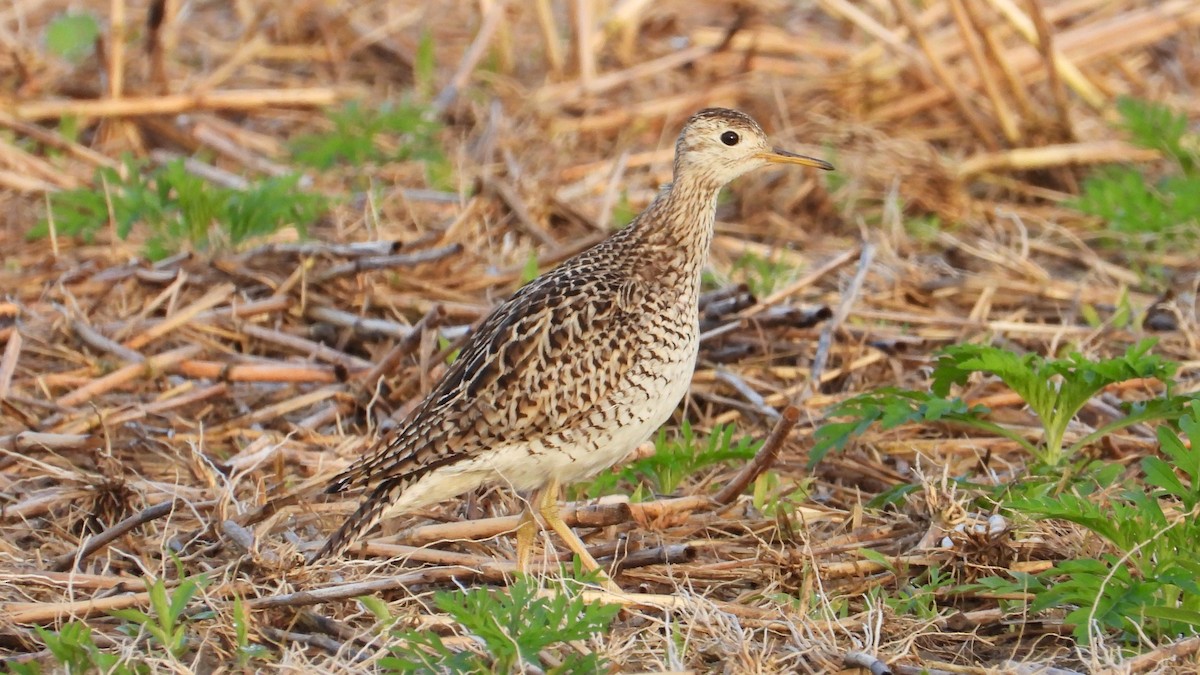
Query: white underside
{"points": [[528, 466]]}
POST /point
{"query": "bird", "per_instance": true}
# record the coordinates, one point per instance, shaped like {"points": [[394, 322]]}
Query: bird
{"points": [[578, 367]]}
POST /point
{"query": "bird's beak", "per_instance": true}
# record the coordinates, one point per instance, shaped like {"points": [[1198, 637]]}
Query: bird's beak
{"points": [[778, 156]]}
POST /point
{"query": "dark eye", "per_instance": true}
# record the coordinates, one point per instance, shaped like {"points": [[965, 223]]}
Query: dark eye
{"points": [[730, 138]]}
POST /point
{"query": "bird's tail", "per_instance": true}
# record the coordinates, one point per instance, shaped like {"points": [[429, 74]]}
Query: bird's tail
{"points": [[392, 454], [359, 473], [368, 515]]}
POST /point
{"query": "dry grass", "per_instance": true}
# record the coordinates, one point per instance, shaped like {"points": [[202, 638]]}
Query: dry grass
{"points": [[188, 392]]}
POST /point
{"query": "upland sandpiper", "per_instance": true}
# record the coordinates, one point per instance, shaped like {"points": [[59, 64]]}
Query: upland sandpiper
{"points": [[579, 367]]}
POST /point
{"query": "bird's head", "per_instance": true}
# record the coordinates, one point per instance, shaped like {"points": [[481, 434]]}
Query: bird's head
{"points": [[718, 145]]}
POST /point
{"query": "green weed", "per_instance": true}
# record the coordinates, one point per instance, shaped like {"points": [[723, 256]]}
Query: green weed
{"points": [[917, 595], [1153, 586], [444, 344], [623, 212], [1166, 209], [72, 36], [820, 605], [1154, 126], [362, 135], [247, 651], [178, 208], [770, 499], [166, 622], [1054, 389], [676, 457], [530, 271], [425, 67], [761, 275], [514, 628], [924, 229], [1149, 588], [75, 652]]}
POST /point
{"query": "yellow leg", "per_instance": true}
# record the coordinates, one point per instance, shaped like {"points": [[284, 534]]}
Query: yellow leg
{"points": [[526, 529], [548, 507]]}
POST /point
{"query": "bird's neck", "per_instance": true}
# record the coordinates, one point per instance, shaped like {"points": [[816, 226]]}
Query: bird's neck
{"points": [[675, 231]]}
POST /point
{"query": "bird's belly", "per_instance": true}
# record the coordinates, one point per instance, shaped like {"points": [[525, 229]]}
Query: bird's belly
{"points": [[601, 438], [616, 426]]}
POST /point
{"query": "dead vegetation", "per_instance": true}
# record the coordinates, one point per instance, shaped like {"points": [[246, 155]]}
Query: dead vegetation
{"points": [[148, 407]]}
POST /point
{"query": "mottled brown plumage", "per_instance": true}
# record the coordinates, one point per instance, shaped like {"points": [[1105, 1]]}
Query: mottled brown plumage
{"points": [[578, 367]]}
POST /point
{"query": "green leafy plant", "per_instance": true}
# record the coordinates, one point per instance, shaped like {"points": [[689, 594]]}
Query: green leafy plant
{"points": [[359, 134], [425, 66], [75, 652], [444, 344], [1167, 208], [1057, 389], [771, 497], [72, 35], [1054, 389], [178, 208], [1155, 126], [623, 212], [818, 605], [890, 407], [72, 646], [916, 596], [379, 608], [1124, 316], [247, 651], [530, 271], [1151, 586], [676, 457], [166, 622], [924, 229], [514, 627], [267, 206], [760, 274], [24, 668]]}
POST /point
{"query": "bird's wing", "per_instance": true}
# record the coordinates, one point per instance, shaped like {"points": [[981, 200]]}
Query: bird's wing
{"points": [[537, 364]]}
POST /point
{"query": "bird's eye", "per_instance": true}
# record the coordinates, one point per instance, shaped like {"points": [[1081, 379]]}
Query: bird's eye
{"points": [[730, 138]]}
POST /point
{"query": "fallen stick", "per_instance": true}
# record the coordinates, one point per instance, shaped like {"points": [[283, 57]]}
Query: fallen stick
{"points": [[183, 317], [1051, 156], [383, 262], [596, 515], [50, 612], [8, 362], [151, 367], [25, 441], [347, 591], [1173, 652], [73, 581], [245, 99], [262, 372], [461, 574], [492, 569], [90, 546], [305, 347], [763, 459], [93, 338], [283, 638]]}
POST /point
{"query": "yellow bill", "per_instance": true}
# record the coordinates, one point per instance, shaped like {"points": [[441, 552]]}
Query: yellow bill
{"points": [[778, 156]]}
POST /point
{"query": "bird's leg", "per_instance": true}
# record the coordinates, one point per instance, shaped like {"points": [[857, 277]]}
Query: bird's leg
{"points": [[548, 507], [526, 529]]}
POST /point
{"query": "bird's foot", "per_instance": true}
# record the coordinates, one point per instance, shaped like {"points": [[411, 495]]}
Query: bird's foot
{"points": [[526, 530], [548, 507]]}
